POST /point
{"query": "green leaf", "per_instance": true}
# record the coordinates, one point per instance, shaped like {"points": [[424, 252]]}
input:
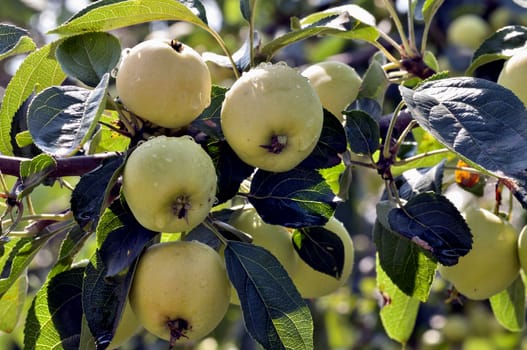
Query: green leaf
{"points": [[426, 9], [508, 306], [90, 56], [404, 263], [374, 85], [90, 196], [11, 304], [363, 132], [62, 118], [70, 246], [347, 21], [14, 41], [107, 15], [35, 171], [23, 139], [103, 299], [479, 120], [504, 43], [54, 320], [120, 238], [321, 249], [18, 252], [274, 312], [433, 223], [38, 71], [247, 8], [295, 198], [399, 311]]}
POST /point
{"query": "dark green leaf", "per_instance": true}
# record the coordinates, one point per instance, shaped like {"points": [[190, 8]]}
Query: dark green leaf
{"points": [[120, 239], [404, 263], [33, 172], [433, 223], [11, 304], [321, 249], [274, 312], [54, 320], [230, 169], [38, 71], [62, 118], [366, 105], [363, 132], [197, 8], [478, 119], [398, 310], [331, 144], [14, 41], [508, 306], [501, 45], [246, 8], [103, 300], [374, 85], [91, 195], [296, 198], [208, 121], [71, 245], [88, 57]]}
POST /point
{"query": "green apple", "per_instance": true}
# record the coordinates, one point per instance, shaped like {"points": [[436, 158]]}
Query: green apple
{"points": [[276, 239], [164, 82], [468, 31], [272, 117], [336, 83], [180, 291], [513, 75], [313, 284], [169, 183], [492, 264]]}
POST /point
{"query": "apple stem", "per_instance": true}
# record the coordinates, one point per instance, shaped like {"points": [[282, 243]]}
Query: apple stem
{"points": [[177, 328], [176, 45], [278, 143]]}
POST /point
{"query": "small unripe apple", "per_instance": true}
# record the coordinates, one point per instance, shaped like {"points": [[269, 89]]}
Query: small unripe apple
{"points": [[164, 82], [513, 75], [336, 83], [272, 117], [275, 238], [492, 264], [169, 183], [180, 291], [313, 284], [468, 31]]}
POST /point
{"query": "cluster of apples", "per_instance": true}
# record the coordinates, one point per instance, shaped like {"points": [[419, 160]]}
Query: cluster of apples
{"points": [[272, 118]]}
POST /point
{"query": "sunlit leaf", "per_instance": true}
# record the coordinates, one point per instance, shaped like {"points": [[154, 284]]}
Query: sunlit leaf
{"points": [[398, 310], [55, 317], [38, 71], [11, 304], [508, 306]]}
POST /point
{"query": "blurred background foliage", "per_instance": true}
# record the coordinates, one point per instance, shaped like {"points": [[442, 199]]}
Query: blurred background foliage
{"points": [[348, 319]]}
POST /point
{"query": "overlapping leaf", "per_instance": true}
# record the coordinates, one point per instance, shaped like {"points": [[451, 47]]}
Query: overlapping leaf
{"points": [[274, 312], [479, 120], [90, 56], [38, 71], [296, 198], [14, 40], [62, 118], [433, 223]]}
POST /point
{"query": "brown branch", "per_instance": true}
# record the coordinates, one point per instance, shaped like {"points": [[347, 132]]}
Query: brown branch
{"points": [[72, 166]]}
